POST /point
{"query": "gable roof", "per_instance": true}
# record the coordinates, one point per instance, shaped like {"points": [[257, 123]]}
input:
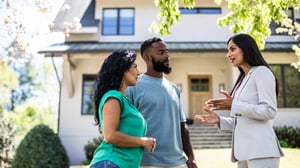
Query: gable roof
{"points": [[84, 10], [94, 47]]}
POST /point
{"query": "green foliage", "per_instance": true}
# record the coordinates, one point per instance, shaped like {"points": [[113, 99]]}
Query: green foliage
{"points": [[41, 147], [28, 116], [7, 146], [254, 17], [8, 81], [251, 17], [169, 15], [89, 149], [288, 136], [283, 144]]}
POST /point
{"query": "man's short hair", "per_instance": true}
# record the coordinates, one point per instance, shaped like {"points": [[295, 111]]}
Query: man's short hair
{"points": [[147, 44]]}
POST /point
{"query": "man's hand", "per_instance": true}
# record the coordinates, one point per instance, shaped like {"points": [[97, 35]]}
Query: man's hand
{"points": [[191, 163]]}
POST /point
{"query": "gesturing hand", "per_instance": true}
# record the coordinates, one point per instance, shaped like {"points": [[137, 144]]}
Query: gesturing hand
{"points": [[220, 103], [210, 118]]}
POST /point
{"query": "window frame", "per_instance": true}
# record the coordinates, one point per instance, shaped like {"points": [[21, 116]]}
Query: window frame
{"points": [[118, 24], [273, 26], [85, 78], [283, 82], [201, 10]]}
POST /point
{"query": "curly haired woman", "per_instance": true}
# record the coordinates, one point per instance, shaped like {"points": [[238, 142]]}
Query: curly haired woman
{"points": [[122, 125]]}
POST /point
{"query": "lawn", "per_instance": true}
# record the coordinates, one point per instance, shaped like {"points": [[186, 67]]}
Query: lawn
{"points": [[220, 158]]}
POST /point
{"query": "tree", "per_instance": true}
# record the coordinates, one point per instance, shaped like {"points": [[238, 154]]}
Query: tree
{"points": [[24, 20], [7, 146], [26, 24], [169, 15], [252, 17], [293, 29], [8, 81], [24, 74]]}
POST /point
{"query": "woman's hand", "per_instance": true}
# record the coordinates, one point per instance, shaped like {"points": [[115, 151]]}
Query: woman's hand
{"points": [[210, 118], [220, 103], [149, 143]]}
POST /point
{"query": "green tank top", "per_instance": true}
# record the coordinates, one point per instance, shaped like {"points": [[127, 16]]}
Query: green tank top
{"points": [[131, 123]]}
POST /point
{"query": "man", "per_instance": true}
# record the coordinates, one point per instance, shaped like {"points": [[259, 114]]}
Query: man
{"points": [[159, 102]]}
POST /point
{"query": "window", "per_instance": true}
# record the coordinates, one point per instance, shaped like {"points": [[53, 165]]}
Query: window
{"points": [[200, 85], [200, 11], [118, 21], [274, 26], [88, 107], [289, 85]]}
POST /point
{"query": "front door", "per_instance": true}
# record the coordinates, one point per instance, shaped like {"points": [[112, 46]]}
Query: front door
{"points": [[200, 90]]}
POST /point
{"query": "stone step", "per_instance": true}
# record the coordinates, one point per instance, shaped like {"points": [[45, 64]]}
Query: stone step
{"points": [[209, 136]]}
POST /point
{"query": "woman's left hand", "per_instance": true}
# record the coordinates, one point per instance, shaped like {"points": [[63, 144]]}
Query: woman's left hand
{"points": [[220, 103]]}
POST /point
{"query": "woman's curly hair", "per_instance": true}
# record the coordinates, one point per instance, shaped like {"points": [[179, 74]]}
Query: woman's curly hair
{"points": [[111, 74]]}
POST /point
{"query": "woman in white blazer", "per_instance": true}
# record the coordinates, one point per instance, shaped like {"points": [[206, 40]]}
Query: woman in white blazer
{"points": [[252, 104]]}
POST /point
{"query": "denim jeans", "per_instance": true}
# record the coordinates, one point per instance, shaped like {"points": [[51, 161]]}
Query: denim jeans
{"points": [[104, 164]]}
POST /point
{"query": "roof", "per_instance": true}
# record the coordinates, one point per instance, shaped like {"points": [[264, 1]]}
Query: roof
{"points": [[94, 47], [78, 8], [88, 18]]}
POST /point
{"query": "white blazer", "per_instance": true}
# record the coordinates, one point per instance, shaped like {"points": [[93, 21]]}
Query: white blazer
{"points": [[253, 109]]}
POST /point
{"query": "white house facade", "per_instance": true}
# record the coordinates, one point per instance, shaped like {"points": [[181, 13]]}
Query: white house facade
{"points": [[197, 48]]}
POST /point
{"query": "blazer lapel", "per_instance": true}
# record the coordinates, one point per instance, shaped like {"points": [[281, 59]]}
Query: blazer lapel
{"points": [[244, 82]]}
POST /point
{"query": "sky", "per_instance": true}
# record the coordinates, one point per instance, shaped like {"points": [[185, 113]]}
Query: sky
{"points": [[36, 34], [35, 22]]}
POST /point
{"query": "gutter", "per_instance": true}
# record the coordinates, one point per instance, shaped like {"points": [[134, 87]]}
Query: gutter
{"points": [[59, 97]]}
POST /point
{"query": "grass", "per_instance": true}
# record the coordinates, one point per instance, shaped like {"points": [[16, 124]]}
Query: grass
{"points": [[220, 158]]}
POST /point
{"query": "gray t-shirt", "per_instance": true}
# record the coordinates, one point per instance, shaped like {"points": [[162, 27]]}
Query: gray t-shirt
{"points": [[159, 102]]}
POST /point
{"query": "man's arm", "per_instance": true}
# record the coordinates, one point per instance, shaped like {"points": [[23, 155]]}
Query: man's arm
{"points": [[187, 146]]}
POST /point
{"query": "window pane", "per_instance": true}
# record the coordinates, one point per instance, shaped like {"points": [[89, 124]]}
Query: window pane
{"points": [[187, 11], [126, 21], [277, 71], [127, 13], [292, 77], [210, 10], [289, 85], [200, 11], [200, 85], [110, 22], [87, 95]]}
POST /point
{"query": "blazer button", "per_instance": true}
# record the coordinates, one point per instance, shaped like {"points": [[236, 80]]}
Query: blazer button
{"points": [[240, 114], [236, 114]]}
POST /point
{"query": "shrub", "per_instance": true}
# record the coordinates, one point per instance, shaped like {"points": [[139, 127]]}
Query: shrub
{"points": [[41, 147], [7, 146], [288, 136], [90, 147]]}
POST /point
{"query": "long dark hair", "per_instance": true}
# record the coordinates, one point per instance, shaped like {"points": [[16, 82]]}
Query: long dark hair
{"points": [[111, 74], [252, 55]]}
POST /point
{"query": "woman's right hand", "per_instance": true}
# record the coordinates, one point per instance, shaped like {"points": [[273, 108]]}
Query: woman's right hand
{"points": [[210, 118], [149, 143]]}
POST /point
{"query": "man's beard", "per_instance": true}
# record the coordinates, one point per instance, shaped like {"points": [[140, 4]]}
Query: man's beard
{"points": [[160, 67]]}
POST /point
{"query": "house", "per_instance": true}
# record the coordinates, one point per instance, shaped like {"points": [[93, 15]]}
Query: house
{"points": [[198, 55]]}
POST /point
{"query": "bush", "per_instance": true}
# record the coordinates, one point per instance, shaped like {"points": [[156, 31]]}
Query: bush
{"points": [[41, 147], [288, 136], [89, 149], [7, 146]]}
